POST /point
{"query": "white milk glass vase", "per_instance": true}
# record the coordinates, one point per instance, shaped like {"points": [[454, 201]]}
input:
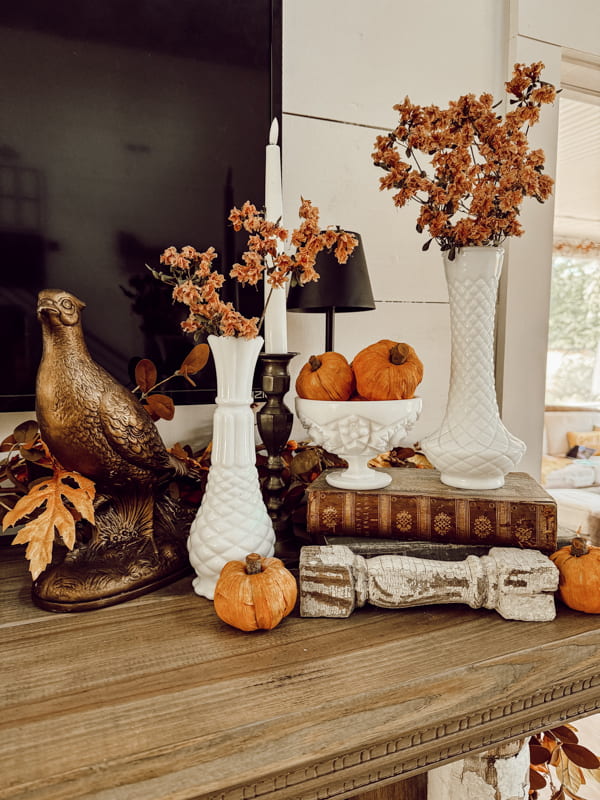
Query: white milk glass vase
{"points": [[472, 449], [232, 520]]}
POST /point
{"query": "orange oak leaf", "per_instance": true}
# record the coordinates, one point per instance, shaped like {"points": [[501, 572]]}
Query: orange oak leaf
{"points": [[47, 500]]}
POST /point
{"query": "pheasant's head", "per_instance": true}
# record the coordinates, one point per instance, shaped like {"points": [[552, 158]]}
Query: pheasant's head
{"points": [[58, 307]]}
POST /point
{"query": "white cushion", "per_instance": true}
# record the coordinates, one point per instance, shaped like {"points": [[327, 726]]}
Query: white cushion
{"points": [[578, 509], [578, 474], [558, 423]]}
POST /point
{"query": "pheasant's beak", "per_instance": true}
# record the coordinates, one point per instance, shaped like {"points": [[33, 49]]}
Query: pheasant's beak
{"points": [[46, 306]]}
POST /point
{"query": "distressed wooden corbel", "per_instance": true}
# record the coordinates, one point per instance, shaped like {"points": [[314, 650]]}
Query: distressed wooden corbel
{"points": [[518, 584]]}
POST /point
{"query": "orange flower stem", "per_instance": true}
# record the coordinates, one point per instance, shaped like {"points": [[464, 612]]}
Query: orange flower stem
{"points": [[412, 152]]}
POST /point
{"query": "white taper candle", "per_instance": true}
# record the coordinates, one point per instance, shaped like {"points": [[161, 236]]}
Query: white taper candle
{"points": [[275, 332]]}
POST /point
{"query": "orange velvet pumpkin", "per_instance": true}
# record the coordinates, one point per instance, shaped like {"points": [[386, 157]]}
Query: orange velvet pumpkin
{"points": [[257, 593], [387, 370], [579, 568], [326, 377]]}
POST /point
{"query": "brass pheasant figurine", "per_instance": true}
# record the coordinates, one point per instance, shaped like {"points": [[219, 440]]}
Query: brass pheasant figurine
{"points": [[95, 426], [91, 423]]}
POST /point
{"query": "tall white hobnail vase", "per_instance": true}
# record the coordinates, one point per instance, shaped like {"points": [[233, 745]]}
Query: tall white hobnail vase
{"points": [[472, 449], [232, 520]]}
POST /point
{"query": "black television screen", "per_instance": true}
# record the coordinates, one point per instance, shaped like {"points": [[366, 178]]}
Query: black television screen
{"points": [[126, 128]]}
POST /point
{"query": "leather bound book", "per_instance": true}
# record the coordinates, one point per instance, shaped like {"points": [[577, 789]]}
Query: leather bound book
{"points": [[418, 506]]}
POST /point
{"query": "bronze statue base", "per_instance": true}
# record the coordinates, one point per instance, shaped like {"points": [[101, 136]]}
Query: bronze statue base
{"points": [[138, 544]]}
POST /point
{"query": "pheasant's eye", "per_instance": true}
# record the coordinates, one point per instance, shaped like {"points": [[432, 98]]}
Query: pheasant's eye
{"points": [[67, 304]]}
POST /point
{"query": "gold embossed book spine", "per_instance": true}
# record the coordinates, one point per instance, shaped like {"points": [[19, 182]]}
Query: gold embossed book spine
{"points": [[417, 506]]}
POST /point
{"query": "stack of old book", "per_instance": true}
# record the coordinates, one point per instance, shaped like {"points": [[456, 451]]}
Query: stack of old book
{"points": [[416, 507]]}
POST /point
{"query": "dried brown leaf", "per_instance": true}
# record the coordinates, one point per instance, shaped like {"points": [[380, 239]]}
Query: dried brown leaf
{"points": [[13, 473], [204, 457], [185, 454], [33, 454], [581, 755], [572, 795], [46, 499], [7, 444], [539, 754], [155, 417], [146, 374], [332, 460], [161, 405], [179, 452], [565, 733], [26, 433], [305, 464], [568, 773], [556, 754], [195, 360], [293, 497], [549, 742], [558, 794], [536, 780], [594, 774]]}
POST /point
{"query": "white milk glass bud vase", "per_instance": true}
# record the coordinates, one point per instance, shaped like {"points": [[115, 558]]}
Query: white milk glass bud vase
{"points": [[472, 449], [232, 520]]}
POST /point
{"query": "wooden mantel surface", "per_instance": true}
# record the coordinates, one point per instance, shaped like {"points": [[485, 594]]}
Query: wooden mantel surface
{"points": [[157, 698]]}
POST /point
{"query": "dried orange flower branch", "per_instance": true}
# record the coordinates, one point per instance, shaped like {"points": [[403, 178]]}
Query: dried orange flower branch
{"points": [[197, 285], [477, 166]]}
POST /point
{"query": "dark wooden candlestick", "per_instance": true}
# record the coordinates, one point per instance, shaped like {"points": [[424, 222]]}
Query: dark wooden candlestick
{"points": [[275, 422]]}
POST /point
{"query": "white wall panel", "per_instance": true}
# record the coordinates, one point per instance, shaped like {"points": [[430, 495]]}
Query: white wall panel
{"points": [[351, 60], [331, 165], [574, 24], [525, 290]]}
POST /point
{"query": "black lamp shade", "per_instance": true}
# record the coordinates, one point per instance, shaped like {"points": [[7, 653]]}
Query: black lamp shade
{"points": [[341, 287]]}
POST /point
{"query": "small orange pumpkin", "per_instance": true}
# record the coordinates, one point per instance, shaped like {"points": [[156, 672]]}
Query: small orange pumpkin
{"points": [[326, 377], [257, 593], [579, 568], [387, 370]]}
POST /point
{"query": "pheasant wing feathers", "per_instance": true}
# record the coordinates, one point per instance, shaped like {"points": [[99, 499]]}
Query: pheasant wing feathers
{"points": [[131, 432]]}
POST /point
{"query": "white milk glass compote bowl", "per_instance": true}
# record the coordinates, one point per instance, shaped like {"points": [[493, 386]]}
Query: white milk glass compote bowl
{"points": [[357, 431]]}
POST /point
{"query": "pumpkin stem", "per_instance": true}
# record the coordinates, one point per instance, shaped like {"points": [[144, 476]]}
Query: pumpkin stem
{"points": [[580, 546], [399, 353], [315, 363], [253, 564]]}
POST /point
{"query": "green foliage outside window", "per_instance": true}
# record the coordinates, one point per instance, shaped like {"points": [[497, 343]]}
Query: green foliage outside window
{"points": [[573, 375]]}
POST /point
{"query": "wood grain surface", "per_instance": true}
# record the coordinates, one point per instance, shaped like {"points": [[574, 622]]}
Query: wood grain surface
{"points": [[409, 789], [157, 698]]}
